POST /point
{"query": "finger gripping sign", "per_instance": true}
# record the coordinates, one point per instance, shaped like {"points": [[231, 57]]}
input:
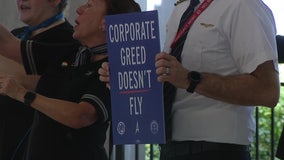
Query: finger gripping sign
{"points": [[136, 96]]}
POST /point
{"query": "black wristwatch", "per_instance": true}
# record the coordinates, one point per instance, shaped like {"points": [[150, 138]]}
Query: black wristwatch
{"points": [[194, 78], [29, 97]]}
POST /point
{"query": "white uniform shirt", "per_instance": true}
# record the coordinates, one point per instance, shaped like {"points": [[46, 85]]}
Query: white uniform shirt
{"points": [[230, 37]]}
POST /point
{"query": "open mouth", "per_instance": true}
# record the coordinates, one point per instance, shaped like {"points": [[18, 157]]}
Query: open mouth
{"points": [[76, 22], [24, 7]]}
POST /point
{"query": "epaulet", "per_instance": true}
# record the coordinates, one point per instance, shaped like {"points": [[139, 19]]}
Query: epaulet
{"points": [[179, 2]]}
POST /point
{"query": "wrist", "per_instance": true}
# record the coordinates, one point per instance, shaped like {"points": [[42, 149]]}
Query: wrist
{"points": [[194, 79], [29, 97], [19, 94]]}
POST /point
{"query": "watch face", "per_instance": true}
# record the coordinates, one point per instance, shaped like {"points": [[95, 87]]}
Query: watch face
{"points": [[195, 76], [29, 98]]}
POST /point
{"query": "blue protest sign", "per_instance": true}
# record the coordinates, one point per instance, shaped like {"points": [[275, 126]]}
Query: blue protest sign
{"points": [[136, 96]]}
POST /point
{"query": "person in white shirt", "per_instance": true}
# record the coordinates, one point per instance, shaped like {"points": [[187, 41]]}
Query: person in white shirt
{"points": [[228, 66]]}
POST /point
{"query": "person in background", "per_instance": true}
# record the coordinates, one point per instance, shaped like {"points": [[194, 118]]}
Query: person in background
{"points": [[280, 147], [45, 22], [280, 47], [71, 119], [218, 63]]}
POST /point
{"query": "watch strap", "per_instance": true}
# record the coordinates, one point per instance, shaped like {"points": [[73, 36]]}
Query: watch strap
{"points": [[29, 97], [191, 87], [194, 79]]}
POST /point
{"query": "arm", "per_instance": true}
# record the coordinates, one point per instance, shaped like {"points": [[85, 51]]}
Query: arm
{"points": [[28, 81], [10, 45], [10, 67], [74, 115], [261, 87], [24, 51]]}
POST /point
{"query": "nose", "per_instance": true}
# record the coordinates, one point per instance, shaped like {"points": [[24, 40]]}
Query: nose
{"points": [[80, 9]]}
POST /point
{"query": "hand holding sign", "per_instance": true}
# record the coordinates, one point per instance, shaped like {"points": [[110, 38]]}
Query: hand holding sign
{"points": [[136, 96]]}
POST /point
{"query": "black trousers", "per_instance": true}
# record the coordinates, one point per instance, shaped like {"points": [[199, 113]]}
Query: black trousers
{"points": [[201, 150], [280, 148]]}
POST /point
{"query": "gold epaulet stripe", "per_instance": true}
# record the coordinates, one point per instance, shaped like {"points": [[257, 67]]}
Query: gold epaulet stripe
{"points": [[179, 2]]}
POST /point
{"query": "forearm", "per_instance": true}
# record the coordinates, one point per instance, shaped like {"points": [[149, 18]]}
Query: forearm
{"points": [[28, 81], [71, 114], [9, 67], [10, 46], [12, 51], [247, 89]]}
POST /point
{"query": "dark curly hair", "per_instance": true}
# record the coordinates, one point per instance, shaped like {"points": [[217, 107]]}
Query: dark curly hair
{"points": [[122, 6]]}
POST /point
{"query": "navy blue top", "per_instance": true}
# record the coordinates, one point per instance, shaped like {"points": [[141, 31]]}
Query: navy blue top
{"points": [[60, 79], [15, 117]]}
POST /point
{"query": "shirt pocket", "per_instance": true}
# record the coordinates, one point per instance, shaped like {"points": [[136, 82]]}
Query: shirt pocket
{"points": [[215, 51]]}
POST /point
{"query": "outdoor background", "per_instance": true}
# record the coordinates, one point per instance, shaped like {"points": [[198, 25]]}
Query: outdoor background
{"points": [[9, 18]]}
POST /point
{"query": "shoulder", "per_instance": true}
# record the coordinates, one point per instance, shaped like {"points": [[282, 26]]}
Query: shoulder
{"points": [[253, 5], [179, 8], [62, 33], [179, 2], [255, 8], [65, 27], [18, 31]]}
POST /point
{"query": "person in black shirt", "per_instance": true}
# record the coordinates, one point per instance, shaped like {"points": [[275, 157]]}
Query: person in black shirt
{"points": [[72, 115], [280, 148], [280, 47], [45, 23]]}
